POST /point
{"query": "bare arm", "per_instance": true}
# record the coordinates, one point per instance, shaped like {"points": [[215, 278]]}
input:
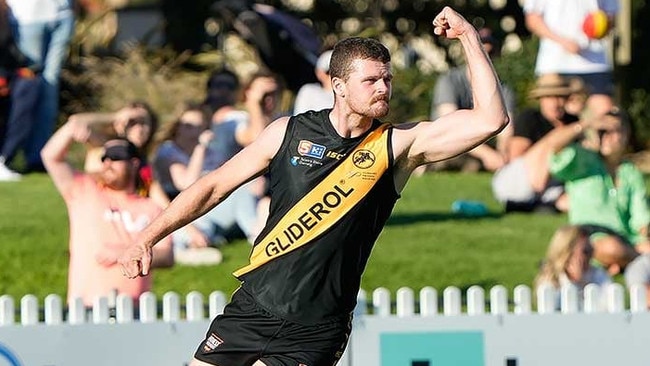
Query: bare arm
{"points": [[55, 151], [203, 195], [457, 132]]}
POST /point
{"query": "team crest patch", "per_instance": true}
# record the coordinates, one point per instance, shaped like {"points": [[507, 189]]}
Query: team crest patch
{"points": [[310, 149], [212, 342], [363, 159]]}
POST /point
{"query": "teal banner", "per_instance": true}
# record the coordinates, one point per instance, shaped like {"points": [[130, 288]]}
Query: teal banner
{"points": [[432, 349]]}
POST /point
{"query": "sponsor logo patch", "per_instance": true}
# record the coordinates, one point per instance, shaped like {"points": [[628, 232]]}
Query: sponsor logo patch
{"points": [[308, 148], [212, 342]]}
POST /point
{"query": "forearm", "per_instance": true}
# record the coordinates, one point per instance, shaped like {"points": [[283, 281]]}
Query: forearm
{"points": [[536, 25], [486, 90], [559, 138], [191, 203]]}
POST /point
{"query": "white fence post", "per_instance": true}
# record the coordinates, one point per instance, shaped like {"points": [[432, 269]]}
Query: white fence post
{"points": [[381, 301], [171, 307], [498, 300], [217, 301], [638, 299], [148, 308], [475, 300], [29, 310], [7, 310], [593, 299], [194, 306], [523, 300], [76, 311], [123, 309], [428, 301], [546, 299], [451, 301], [569, 300], [53, 310], [405, 302], [100, 310], [615, 298]]}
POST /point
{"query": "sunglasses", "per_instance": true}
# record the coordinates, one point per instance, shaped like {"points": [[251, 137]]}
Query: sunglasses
{"points": [[115, 157], [189, 126]]}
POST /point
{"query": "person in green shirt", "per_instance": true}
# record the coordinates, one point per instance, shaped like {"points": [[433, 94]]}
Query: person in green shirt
{"points": [[606, 193]]}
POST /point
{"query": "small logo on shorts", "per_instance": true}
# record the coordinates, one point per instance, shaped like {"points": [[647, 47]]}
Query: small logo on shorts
{"points": [[212, 342]]}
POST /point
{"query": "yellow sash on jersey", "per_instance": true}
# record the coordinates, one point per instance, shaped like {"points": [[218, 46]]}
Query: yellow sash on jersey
{"points": [[327, 203]]}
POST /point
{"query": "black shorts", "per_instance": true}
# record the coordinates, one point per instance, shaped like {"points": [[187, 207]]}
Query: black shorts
{"points": [[245, 333]]}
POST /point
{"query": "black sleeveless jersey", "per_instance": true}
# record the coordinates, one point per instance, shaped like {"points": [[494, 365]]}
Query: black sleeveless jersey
{"points": [[320, 280]]}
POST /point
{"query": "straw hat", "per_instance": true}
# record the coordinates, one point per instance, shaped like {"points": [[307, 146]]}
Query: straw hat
{"points": [[551, 85]]}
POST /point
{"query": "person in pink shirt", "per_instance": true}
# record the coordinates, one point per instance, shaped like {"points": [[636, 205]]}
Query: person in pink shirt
{"points": [[105, 215]]}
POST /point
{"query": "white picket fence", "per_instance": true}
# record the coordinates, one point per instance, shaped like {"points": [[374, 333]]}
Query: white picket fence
{"points": [[167, 332]]}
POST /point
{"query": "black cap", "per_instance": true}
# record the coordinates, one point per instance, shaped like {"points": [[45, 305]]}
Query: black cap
{"points": [[120, 149]]}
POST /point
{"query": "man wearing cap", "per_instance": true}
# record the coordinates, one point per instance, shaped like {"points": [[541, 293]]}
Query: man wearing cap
{"points": [[316, 96], [105, 215], [523, 184]]}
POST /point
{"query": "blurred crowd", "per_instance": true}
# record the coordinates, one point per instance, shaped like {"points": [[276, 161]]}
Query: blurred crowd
{"points": [[566, 155]]}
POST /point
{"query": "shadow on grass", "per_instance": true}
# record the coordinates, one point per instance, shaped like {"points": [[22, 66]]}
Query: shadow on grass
{"points": [[414, 218]]}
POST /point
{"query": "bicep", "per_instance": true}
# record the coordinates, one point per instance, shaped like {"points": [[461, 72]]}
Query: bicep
{"points": [[446, 137]]}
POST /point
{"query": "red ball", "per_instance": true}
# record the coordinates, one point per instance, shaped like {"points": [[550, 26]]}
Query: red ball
{"points": [[595, 25]]}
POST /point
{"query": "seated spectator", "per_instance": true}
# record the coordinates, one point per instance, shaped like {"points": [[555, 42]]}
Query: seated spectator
{"points": [[177, 163], [234, 129], [452, 92], [576, 101], [523, 184], [105, 215], [316, 96], [567, 262], [603, 188]]}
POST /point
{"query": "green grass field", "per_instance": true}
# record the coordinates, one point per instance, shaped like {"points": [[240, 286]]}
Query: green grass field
{"points": [[423, 244]]}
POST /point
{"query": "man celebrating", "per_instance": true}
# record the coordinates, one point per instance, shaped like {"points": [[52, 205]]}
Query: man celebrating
{"points": [[105, 215], [335, 176]]}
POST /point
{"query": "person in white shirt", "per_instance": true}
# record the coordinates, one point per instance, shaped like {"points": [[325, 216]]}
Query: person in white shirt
{"points": [[316, 96], [566, 50]]}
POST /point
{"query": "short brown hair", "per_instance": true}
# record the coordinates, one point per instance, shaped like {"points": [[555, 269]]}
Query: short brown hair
{"points": [[355, 48]]}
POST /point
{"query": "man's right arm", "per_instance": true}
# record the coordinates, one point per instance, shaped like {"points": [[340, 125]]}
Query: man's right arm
{"points": [[55, 152], [204, 194]]}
